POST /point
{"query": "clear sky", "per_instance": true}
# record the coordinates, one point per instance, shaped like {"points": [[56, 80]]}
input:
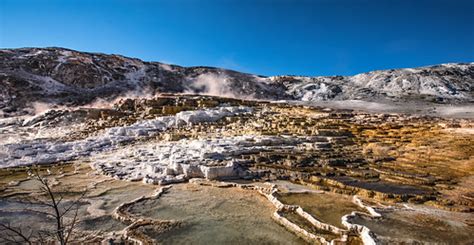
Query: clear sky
{"points": [[267, 37]]}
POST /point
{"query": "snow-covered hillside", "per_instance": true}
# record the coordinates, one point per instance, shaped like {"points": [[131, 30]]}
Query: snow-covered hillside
{"points": [[34, 78], [440, 83]]}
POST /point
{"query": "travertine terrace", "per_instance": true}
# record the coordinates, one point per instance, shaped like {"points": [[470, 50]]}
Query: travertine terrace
{"points": [[386, 160]]}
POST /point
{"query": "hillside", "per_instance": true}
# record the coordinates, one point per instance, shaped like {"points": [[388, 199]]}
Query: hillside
{"points": [[32, 78]]}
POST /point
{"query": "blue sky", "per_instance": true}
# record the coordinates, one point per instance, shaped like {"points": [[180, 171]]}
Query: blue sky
{"points": [[267, 37]]}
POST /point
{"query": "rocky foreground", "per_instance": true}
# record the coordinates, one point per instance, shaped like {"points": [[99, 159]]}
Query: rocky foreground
{"points": [[393, 163]]}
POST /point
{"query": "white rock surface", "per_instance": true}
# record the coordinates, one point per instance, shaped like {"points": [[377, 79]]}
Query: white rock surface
{"points": [[169, 162], [46, 151]]}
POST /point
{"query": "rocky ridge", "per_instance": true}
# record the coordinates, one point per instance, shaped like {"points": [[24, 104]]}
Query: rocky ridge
{"points": [[34, 79]]}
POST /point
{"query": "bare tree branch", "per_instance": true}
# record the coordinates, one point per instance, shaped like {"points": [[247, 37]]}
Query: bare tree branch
{"points": [[59, 211], [72, 225], [17, 233]]}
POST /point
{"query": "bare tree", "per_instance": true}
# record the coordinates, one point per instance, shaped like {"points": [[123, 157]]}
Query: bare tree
{"points": [[64, 216]]}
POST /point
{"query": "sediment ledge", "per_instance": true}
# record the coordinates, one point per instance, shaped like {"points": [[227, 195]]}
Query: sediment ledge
{"points": [[363, 232], [131, 233], [269, 192], [367, 236]]}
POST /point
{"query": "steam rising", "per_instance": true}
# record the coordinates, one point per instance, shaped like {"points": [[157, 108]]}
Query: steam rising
{"points": [[205, 84], [212, 84], [145, 93], [100, 103], [41, 107]]}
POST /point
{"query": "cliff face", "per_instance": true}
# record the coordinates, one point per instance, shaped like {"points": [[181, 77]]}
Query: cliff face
{"points": [[66, 77]]}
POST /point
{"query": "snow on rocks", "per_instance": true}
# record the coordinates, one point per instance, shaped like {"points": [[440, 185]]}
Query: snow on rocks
{"points": [[46, 151], [447, 81]]}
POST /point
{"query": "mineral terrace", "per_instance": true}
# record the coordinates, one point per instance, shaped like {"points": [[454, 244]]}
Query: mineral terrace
{"points": [[296, 174]]}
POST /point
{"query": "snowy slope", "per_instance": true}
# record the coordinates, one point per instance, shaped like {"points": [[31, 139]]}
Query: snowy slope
{"points": [[447, 82], [63, 77]]}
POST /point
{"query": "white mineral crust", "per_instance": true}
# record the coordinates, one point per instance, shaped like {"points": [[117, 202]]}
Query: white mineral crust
{"points": [[176, 161], [46, 151]]}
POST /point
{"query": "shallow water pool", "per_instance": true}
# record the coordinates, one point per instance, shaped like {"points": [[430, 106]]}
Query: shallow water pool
{"points": [[214, 215]]}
